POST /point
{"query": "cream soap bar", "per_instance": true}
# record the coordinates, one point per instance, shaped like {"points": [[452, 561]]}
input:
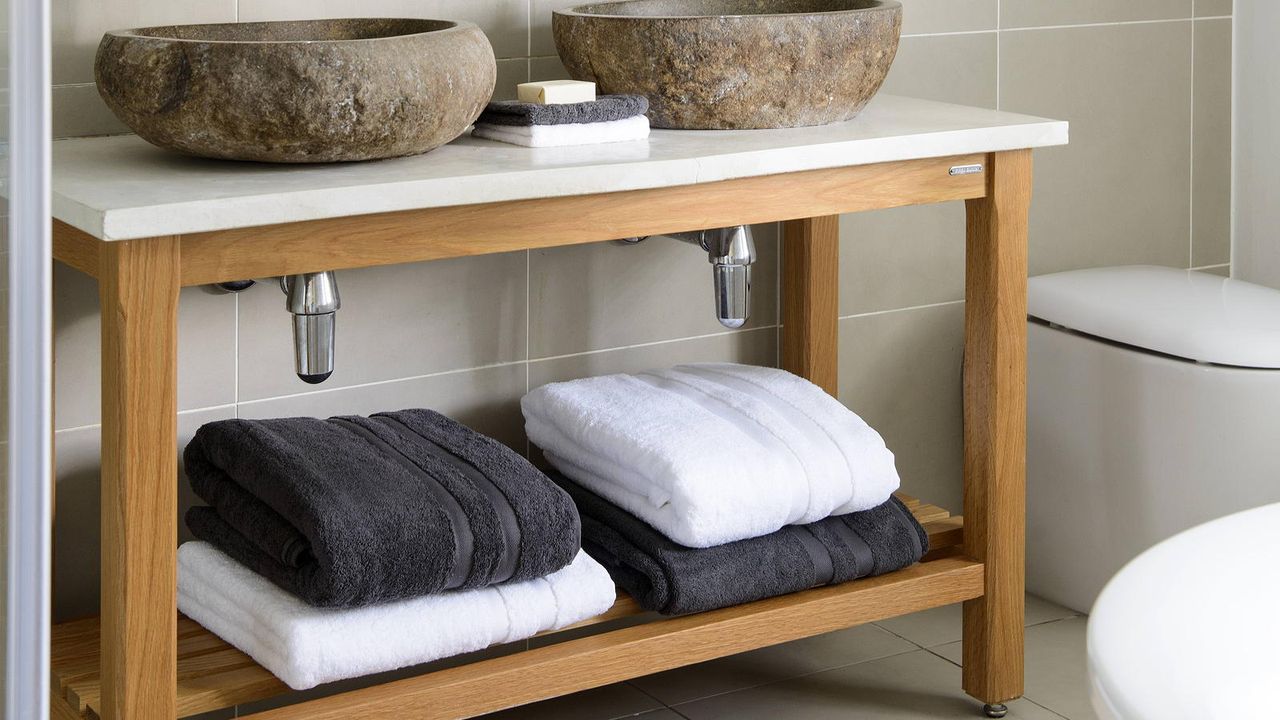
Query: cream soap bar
{"points": [[556, 92]]}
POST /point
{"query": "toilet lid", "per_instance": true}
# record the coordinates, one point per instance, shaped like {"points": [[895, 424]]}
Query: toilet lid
{"points": [[1187, 630], [1187, 314]]}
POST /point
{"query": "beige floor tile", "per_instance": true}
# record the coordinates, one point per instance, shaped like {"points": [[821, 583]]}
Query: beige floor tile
{"points": [[1057, 675], [772, 664], [942, 625], [606, 703], [915, 685]]}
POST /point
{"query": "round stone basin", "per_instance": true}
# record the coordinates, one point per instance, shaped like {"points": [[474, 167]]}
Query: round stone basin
{"points": [[298, 92], [721, 64]]}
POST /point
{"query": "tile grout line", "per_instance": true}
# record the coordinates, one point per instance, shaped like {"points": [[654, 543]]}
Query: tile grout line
{"points": [[1068, 26], [454, 371], [653, 343], [1191, 156], [902, 309], [998, 43], [235, 348]]}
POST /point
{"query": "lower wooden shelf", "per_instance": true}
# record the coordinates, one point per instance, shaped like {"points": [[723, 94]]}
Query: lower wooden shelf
{"points": [[214, 675]]}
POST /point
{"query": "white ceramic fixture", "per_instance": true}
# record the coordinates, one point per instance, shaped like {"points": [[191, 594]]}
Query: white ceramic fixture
{"points": [[1188, 630], [1153, 406]]}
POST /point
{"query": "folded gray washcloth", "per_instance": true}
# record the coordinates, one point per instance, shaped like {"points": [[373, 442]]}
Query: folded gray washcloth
{"points": [[602, 109], [674, 580], [353, 511]]}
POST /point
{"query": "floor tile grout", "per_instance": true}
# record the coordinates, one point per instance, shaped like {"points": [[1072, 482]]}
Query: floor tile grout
{"points": [[1044, 707]]}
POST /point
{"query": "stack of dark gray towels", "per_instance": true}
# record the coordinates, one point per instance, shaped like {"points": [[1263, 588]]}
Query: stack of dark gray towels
{"points": [[340, 547], [608, 118]]}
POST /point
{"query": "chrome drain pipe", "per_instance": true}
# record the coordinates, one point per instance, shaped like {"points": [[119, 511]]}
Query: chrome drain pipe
{"points": [[313, 299]]}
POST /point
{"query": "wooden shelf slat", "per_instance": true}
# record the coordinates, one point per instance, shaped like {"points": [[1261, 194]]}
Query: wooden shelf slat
{"points": [[213, 675]]}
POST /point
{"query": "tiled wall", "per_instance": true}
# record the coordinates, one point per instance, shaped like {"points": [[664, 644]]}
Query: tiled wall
{"points": [[1257, 217], [1145, 84]]}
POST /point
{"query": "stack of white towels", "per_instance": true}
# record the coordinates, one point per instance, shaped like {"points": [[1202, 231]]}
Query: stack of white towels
{"points": [[712, 453], [305, 646]]}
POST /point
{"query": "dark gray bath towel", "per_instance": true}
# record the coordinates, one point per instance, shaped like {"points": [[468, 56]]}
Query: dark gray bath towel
{"points": [[674, 580], [352, 511], [602, 109]]}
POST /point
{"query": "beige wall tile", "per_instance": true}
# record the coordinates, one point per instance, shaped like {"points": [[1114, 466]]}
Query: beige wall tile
{"points": [[1211, 144], [541, 41], [510, 73], [505, 22], [1120, 192], [395, 322], [78, 26], [486, 400], [1037, 13], [547, 68], [602, 295], [940, 16], [1213, 8], [75, 533], [915, 255], [751, 347], [79, 111], [206, 348], [900, 371]]}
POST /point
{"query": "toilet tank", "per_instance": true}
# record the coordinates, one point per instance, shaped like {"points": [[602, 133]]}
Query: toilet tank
{"points": [[1153, 406]]}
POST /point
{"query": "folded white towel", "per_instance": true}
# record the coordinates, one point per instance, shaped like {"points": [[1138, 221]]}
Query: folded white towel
{"points": [[305, 646], [632, 128], [712, 453]]}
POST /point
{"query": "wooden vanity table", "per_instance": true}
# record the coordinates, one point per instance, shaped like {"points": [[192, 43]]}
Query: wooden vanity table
{"points": [[146, 223]]}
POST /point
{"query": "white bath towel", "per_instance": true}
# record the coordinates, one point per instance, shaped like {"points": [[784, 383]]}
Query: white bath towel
{"points": [[305, 646], [712, 453], [632, 128]]}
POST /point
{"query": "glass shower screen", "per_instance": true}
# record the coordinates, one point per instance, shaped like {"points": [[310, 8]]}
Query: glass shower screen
{"points": [[25, 326]]}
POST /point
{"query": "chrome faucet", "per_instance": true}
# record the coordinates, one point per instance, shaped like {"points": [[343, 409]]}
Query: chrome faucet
{"points": [[313, 299]]}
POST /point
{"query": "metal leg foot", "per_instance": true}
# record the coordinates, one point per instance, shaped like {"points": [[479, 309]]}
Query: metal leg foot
{"points": [[995, 711]]}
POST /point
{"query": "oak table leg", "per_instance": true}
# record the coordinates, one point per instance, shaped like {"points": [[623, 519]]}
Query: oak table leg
{"points": [[995, 426], [138, 283], [810, 299]]}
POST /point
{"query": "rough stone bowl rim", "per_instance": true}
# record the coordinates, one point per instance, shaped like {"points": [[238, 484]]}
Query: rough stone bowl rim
{"points": [[577, 11], [141, 33]]}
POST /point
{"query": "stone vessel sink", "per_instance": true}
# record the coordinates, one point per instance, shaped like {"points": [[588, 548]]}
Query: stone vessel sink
{"points": [[719, 64], [298, 92]]}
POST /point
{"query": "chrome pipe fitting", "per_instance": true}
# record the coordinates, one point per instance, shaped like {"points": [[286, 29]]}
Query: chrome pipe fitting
{"points": [[313, 299], [731, 251]]}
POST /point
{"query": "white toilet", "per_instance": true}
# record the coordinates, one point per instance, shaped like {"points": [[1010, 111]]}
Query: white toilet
{"points": [[1153, 406]]}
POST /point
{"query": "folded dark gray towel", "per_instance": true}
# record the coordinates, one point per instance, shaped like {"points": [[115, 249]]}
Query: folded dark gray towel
{"points": [[602, 109], [352, 511], [674, 580]]}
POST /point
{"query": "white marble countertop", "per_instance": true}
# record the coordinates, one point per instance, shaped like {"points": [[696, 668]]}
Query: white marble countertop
{"points": [[121, 188]]}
